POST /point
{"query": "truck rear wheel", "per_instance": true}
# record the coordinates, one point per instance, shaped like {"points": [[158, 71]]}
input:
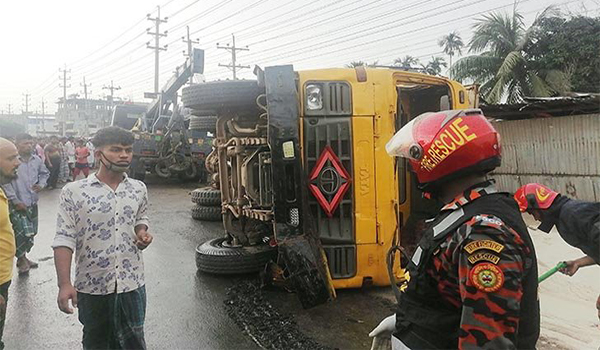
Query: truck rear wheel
{"points": [[216, 257], [204, 123], [207, 196], [203, 213], [226, 95]]}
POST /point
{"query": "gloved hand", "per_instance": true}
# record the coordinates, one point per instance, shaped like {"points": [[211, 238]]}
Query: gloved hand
{"points": [[382, 334]]}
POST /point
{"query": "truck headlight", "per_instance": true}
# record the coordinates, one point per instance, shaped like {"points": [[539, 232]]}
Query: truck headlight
{"points": [[314, 97]]}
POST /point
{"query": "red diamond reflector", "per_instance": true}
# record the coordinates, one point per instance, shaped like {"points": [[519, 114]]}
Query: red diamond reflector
{"points": [[329, 181]]}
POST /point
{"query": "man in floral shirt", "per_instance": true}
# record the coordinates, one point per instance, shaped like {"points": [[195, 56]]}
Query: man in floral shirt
{"points": [[103, 220]]}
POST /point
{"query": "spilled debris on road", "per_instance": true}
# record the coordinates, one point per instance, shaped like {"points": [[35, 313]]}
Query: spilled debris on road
{"points": [[269, 328]]}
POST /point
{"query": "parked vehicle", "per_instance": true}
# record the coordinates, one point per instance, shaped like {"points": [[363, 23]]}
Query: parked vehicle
{"points": [[169, 142]]}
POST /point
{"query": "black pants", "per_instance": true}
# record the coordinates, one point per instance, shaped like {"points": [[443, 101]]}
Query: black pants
{"points": [[113, 321], [54, 171], [3, 304]]}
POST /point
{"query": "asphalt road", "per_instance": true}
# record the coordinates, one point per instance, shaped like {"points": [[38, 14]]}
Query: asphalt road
{"points": [[185, 309]]}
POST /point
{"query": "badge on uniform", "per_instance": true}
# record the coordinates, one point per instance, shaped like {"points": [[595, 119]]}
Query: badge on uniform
{"points": [[486, 277], [484, 244]]}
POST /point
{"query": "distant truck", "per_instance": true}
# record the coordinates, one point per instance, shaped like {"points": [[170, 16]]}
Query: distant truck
{"points": [[169, 149], [168, 141]]}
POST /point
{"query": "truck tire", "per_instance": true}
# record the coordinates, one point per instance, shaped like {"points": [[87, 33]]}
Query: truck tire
{"points": [[204, 213], [226, 95], [162, 170], [214, 257], [189, 174], [205, 123], [207, 196]]}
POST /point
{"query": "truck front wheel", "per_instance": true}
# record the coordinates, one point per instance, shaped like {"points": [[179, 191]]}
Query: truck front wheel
{"points": [[217, 257]]}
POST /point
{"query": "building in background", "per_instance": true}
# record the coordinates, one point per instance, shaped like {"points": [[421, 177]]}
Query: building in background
{"points": [[82, 117], [41, 125]]}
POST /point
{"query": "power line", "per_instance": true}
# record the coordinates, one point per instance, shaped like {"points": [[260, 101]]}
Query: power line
{"points": [[374, 30]]}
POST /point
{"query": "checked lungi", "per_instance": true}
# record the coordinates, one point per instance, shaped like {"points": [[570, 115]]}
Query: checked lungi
{"points": [[25, 226], [113, 321]]}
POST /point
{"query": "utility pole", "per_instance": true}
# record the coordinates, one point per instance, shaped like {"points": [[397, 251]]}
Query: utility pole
{"points": [[189, 43], [233, 66], [43, 117], [111, 103], [157, 35], [9, 111], [26, 103], [64, 86], [87, 105], [112, 89], [85, 90]]}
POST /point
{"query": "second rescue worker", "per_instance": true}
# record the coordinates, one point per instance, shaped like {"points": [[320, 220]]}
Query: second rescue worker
{"points": [[473, 275]]}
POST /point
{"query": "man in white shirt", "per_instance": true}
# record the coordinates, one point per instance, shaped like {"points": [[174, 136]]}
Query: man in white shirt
{"points": [[70, 148], [91, 159], [103, 219]]}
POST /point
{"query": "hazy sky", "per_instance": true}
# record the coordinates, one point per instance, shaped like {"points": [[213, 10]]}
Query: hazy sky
{"points": [[105, 40]]}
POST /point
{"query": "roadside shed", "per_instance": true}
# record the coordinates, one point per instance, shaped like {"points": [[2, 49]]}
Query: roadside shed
{"points": [[553, 141]]}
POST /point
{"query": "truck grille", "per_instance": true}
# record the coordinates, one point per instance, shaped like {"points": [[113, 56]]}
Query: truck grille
{"points": [[341, 260], [335, 229]]}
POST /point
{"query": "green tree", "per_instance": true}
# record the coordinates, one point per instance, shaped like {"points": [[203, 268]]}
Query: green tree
{"points": [[434, 67], [407, 62], [570, 45], [355, 64], [502, 64], [452, 44]]}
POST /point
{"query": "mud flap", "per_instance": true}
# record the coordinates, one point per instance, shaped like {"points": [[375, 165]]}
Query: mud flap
{"points": [[295, 232]]}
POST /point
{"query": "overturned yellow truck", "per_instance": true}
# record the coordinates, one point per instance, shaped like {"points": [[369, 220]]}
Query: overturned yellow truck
{"points": [[308, 192]]}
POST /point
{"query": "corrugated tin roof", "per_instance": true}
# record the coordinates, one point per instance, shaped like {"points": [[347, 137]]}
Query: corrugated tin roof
{"points": [[545, 107]]}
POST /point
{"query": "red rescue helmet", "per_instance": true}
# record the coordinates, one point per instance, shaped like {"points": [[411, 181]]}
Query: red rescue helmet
{"points": [[534, 196], [445, 145]]}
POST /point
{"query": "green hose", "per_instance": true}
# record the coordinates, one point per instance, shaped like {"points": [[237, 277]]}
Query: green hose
{"points": [[552, 271]]}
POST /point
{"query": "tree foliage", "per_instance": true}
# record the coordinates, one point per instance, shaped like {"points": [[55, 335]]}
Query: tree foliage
{"points": [[355, 64], [452, 44], [434, 67], [571, 45], [501, 62], [406, 62]]}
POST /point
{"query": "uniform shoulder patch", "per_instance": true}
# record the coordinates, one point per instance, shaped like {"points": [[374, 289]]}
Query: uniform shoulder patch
{"points": [[483, 256], [486, 277], [483, 244]]}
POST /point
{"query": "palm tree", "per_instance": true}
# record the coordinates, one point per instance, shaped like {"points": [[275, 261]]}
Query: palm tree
{"points": [[501, 64], [434, 67], [452, 44], [355, 64], [407, 62]]}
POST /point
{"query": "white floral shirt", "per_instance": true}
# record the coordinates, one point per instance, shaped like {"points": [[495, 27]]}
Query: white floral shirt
{"points": [[98, 223]]}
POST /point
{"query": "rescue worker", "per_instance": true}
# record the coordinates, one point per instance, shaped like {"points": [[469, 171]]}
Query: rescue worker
{"points": [[577, 222], [473, 277]]}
